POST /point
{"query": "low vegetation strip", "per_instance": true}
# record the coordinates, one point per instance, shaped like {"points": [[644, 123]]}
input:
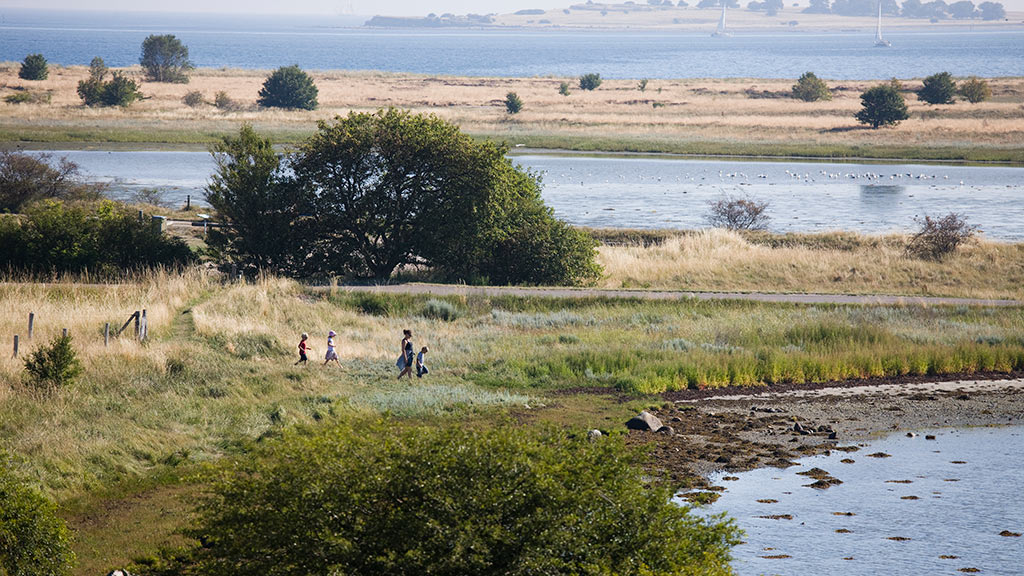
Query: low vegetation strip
{"points": [[547, 292]]}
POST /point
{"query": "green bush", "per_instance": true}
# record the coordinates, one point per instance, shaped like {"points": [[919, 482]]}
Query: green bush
{"points": [[28, 97], [53, 365], [882, 105], [33, 539], [289, 87], [975, 90], [590, 81], [810, 88], [105, 238], [938, 89], [224, 102], [386, 499], [513, 104], [940, 237], [95, 91], [193, 98], [34, 68], [563, 89], [440, 310]]}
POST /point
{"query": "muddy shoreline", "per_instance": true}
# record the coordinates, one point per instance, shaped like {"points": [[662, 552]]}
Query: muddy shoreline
{"points": [[735, 430]]}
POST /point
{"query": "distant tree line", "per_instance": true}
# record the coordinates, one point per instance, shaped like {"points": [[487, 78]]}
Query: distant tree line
{"points": [[936, 9]]}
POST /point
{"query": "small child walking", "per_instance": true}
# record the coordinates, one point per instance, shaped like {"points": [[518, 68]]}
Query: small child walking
{"points": [[331, 353], [302, 349], [421, 367]]}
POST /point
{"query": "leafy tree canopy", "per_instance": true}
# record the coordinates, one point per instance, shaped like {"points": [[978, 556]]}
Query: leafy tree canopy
{"points": [[33, 540], [386, 499], [938, 89], [289, 87], [34, 68], [810, 88], [165, 59]]}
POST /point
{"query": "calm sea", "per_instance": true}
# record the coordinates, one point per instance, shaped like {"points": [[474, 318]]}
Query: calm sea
{"points": [[339, 43]]}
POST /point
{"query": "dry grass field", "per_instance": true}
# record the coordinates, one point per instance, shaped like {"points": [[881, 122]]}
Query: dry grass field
{"points": [[730, 116]]}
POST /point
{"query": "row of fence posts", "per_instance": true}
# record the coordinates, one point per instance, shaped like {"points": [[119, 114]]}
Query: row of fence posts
{"points": [[139, 318]]}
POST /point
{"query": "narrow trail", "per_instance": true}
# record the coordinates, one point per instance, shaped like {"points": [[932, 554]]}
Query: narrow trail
{"points": [[463, 290]]}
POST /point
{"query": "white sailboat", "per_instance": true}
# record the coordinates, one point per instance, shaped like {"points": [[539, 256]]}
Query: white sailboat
{"points": [[879, 41], [721, 32]]}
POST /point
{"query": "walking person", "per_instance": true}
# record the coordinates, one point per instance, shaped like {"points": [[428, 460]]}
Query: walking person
{"points": [[405, 361], [303, 347], [331, 353], [421, 366]]}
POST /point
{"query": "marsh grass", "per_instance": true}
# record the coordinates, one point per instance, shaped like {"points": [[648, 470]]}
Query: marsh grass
{"points": [[692, 116], [837, 263]]}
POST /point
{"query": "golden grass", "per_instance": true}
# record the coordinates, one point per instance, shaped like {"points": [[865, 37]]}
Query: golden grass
{"points": [[703, 111], [713, 260]]}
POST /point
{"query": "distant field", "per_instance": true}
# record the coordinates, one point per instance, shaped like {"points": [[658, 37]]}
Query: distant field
{"points": [[733, 116]]}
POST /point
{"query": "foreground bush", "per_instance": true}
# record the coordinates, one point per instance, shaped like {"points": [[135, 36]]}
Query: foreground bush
{"points": [[385, 500], [53, 365], [289, 87], [33, 540], [940, 237], [104, 238], [34, 68]]}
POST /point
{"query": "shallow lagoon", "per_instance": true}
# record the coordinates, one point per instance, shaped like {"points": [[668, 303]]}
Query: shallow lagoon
{"points": [[967, 486]]}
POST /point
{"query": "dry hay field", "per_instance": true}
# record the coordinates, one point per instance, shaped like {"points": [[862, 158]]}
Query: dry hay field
{"points": [[703, 116]]}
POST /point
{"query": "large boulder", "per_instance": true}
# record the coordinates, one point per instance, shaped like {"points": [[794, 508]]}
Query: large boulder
{"points": [[644, 421]]}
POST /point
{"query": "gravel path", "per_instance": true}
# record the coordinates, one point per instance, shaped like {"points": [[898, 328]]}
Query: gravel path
{"points": [[463, 290]]}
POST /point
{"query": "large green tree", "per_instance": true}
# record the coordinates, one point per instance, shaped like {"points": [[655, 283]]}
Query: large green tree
{"points": [[388, 499], [938, 89], [255, 203], [165, 59], [289, 87], [882, 105]]}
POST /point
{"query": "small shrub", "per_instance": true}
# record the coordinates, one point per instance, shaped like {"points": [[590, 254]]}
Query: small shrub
{"points": [[224, 102], [810, 88], [27, 97], [33, 538], [193, 98], [975, 90], [642, 86], [590, 81], [55, 365], [513, 104], [34, 68], [882, 105], [440, 310], [119, 91], [563, 89], [938, 89], [289, 87], [940, 237], [738, 214]]}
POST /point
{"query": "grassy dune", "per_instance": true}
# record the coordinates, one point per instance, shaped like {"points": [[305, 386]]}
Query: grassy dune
{"points": [[834, 263], [730, 116]]}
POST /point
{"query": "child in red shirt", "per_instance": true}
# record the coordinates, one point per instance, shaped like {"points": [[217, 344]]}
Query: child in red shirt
{"points": [[302, 349]]}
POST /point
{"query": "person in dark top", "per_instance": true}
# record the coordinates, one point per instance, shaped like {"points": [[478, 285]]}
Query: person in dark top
{"points": [[406, 361]]}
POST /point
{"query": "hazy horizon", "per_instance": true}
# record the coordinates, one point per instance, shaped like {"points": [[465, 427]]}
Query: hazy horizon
{"points": [[330, 7]]}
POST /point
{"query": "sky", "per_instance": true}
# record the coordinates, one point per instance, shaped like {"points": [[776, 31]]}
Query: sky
{"points": [[361, 7]]}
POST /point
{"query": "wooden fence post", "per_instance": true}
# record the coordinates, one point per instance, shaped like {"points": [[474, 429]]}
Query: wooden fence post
{"points": [[15, 345], [144, 329], [106, 335], [64, 332], [31, 323], [136, 324]]}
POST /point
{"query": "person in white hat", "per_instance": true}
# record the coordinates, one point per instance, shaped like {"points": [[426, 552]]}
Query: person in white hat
{"points": [[331, 353]]}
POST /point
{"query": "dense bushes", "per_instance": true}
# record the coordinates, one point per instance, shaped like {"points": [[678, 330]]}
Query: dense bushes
{"points": [[938, 89], [882, 105], [33, 539], [590, 81], [370, 193], [289, 87], [53, 365], [386, 499], [120, 90], [34, 68], [26, 178], [940, 237], [103, 237]]}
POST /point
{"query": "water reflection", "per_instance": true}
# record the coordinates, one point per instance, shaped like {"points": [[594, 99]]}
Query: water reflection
{"points": [[880, 190]]}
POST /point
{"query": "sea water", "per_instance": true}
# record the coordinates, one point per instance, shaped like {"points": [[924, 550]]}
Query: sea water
{"points": [[339, 42], [932, 507]]}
